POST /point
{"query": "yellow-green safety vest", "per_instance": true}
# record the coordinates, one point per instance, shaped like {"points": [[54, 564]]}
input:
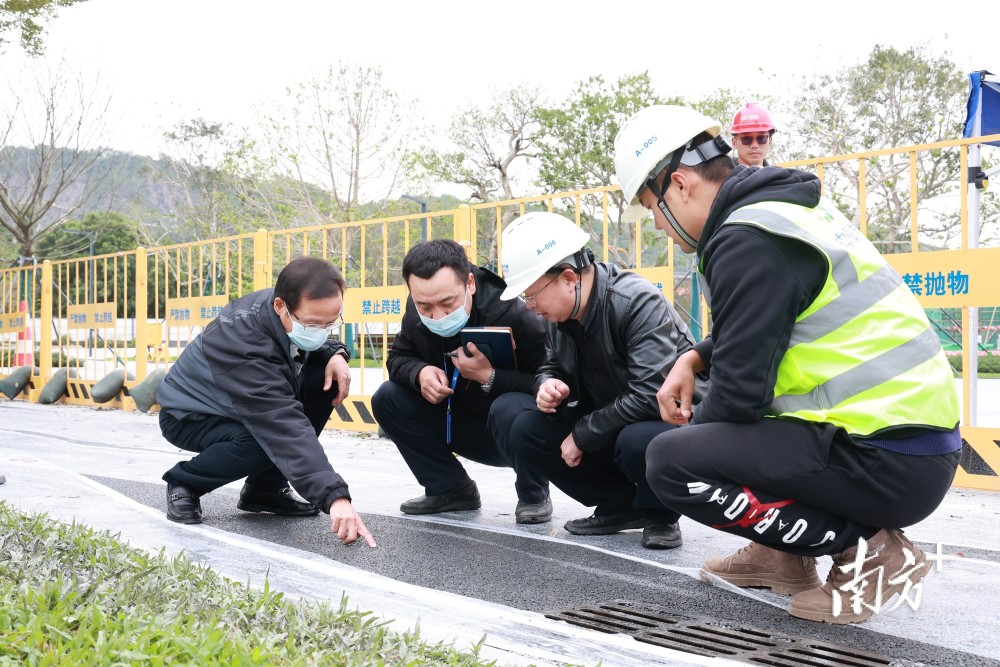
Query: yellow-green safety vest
{"points": [[863, 355]]}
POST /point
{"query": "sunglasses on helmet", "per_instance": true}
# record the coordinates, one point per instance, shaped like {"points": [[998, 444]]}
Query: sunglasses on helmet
{"points": [[748, 139]]}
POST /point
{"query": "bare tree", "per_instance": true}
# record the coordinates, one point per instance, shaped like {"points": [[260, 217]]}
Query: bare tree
{"points": [[53, 134], [339, 143], [487, 141]]}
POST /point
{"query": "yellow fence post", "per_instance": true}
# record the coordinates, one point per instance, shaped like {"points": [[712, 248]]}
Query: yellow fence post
{"points": [[45, 336], [463, 218], [141, 308], [261, 261]]}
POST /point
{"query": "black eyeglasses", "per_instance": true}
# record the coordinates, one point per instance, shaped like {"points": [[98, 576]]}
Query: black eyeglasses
{"points": [[748, 139]]}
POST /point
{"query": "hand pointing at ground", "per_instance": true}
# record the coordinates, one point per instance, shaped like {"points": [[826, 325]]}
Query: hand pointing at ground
{"points": [[346, 523]]}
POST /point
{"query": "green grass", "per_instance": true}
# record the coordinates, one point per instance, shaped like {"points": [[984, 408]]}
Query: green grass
{"points": [[73, 596], [369, 363]]}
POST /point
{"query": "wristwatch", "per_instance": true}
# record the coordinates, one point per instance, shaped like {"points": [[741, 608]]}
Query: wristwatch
{"points": [[486, 386]]}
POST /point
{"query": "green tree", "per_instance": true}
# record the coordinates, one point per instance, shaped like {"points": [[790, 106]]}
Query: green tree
{"points": [[207, 200], [577, 148], [895, 98], [26, 18], [112, 277], [110, 233]]}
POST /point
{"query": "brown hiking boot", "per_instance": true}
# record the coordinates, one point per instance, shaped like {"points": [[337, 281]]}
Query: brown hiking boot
{"points": [[861, 583], [757, 565]]}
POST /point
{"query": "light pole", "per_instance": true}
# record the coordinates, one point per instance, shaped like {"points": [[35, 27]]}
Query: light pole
{"points": [[423, 209]]}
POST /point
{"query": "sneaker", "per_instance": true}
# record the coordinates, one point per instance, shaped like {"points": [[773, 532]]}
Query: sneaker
{"points": [[606, 524], [284, 502], [661, 536], [183, 504], [757, 565], [859, 584], [465, 498], [533, 512]]}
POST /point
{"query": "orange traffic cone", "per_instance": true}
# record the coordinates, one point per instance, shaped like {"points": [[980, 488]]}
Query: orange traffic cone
{"points": [[24, 350]]}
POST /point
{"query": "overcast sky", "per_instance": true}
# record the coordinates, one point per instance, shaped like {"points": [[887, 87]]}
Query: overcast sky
{"points": [[167, 60]]}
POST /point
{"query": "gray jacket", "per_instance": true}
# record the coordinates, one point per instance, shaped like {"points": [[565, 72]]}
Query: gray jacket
{"points": [[614, 360], [241, 367]]}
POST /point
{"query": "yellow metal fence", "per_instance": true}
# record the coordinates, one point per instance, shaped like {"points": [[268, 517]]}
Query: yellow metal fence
{"points": [[134, 312]]}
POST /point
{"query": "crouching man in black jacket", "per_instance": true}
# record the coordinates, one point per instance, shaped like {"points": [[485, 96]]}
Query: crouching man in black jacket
{"points": [[252, 392], [594, 411], [438, 397]]}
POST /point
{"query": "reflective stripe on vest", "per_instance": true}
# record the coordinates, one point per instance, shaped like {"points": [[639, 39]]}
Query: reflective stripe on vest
{"points": [[862, 355]]}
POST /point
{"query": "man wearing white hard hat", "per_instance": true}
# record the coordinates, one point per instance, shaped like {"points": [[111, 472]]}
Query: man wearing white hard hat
{"points": [[610, 333], [832, 418], [439, 393]]}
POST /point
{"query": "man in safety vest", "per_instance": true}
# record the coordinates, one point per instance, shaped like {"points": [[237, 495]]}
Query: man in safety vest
{"points": [[752, 131], [609, 335], [832, 417]]}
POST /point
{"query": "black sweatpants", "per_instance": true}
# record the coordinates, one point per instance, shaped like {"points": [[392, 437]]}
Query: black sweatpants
{"points": [[418, 429], [799, 487], [612, 479], [226, 449]]}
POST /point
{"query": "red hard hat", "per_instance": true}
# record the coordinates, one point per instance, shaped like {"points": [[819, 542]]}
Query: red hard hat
{"points": [[752, 117]]}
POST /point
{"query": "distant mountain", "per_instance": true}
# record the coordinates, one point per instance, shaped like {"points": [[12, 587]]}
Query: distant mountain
{"points": [[156, 194], [122, 181]]}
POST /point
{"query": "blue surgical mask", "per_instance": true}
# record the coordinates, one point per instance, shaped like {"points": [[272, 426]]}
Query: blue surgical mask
{"points": [[450, 324], [307, 340]]}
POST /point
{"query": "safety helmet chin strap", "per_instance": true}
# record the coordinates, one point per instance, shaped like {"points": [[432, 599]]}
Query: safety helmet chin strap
{"points": [[689, 155], [579, 260], [676, 226]]}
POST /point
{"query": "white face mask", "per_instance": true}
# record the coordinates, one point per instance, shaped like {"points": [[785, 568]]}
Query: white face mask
{"points": [[450, 324]]}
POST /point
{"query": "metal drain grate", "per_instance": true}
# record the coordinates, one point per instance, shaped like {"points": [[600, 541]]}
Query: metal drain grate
{"points": [[650, 624]]}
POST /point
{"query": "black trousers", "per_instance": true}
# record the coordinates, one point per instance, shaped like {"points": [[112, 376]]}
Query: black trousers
{"points": [[418, 429], [799, 487], [226, 449], [612, 479]]}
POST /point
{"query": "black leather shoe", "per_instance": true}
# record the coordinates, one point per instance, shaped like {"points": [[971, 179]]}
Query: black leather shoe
{"points": [[661, 536], [606, 524], [285, 502], [466, 498], [533, 512], [183, 504]]}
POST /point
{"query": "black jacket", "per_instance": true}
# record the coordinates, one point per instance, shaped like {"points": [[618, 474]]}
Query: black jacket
{"points": [[241, 367], [416, 347], [758, 284], [614, 358]]}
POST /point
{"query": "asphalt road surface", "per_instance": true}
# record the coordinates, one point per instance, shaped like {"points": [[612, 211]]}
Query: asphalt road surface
{"points": [[469, 574]]}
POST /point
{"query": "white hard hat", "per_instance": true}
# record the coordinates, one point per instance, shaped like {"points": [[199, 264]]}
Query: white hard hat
{"points": [[534, 243], [649, 138]]}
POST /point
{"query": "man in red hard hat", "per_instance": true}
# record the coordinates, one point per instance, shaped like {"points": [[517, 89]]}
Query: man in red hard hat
{"points": [[752, 130]]}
